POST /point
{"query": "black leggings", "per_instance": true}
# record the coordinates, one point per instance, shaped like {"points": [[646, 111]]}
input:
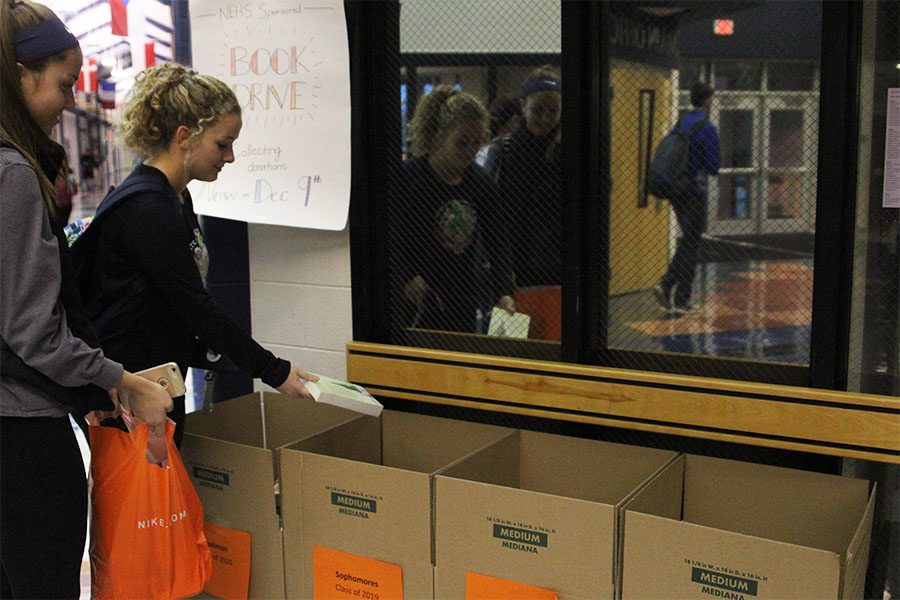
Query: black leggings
{"points": [[43, 508]]}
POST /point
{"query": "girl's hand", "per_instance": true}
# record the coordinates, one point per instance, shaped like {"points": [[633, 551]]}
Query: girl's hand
{"points": [[147, 400], [416, 290], [507, 303], [293, 385]]}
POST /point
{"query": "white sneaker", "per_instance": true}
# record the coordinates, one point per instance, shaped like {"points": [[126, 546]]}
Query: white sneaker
{"points": [[679, 310], [664, 299]]}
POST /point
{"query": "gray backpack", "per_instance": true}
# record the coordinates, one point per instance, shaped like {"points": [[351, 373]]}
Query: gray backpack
{"points": [[669, 174]]}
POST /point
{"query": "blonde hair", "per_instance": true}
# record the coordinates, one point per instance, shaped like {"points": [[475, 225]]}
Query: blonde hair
{"points": [[168, 96], [440, 111], [18, 128]]}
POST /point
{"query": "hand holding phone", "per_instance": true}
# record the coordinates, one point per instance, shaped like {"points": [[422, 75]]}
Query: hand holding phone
{"points": [[168, 376], [148, 399]]}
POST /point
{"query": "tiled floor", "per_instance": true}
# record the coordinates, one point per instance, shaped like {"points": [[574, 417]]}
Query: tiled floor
{"points": [[753, 309]]}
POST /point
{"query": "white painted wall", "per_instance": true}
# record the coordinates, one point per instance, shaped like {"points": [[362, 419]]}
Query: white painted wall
{"points": [[477, 26], [300, 296]]}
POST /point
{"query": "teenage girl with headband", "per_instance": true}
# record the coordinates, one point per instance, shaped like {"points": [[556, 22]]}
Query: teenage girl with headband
{"points": [[50, 364], [526, 166]]}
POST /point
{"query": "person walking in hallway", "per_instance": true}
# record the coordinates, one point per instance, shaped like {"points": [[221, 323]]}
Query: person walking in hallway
{"points": [[673, 291]]}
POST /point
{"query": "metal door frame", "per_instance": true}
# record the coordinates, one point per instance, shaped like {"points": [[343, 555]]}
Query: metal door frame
{"points": [[805, 222], [738, 101]]}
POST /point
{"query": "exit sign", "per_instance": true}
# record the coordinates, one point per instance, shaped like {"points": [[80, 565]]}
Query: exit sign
{"points": [[723, 27]]}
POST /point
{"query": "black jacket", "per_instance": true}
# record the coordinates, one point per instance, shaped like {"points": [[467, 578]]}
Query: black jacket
{"points": [[450, 236], [144, 291], [531, 195]]}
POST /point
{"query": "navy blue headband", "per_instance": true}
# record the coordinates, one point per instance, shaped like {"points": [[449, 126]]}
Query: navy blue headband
{"points": [[43, 39], [544, 84]]}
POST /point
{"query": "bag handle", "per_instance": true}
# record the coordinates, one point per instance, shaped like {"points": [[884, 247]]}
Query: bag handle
{"points": [[157, 449]]}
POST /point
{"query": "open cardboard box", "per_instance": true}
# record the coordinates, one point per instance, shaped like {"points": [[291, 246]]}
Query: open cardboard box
{"points": [[230, 455], [713, 528], [539, 509], [365, 488]]}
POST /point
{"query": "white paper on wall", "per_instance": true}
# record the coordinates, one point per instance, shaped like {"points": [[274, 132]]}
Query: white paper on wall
{"points": [[288, 63], [891, 196]]}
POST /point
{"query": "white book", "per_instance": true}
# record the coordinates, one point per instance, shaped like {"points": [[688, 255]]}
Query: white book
{"points": [[344, 394], [506, 324]]}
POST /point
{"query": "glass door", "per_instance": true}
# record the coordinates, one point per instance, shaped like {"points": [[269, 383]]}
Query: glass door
{"points": [[789, 158], [734, 195]]}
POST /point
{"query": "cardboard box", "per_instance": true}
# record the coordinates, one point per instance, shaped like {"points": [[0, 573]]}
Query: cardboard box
{"points": [[230, 455], [367, 490], [539, 509], [712, 528]]}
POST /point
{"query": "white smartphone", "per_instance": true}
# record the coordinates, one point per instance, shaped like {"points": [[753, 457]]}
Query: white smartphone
{"points": [[168, 376]]}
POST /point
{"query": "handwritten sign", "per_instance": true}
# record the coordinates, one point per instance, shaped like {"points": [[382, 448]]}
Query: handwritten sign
{"points": [[343, 576], [288, 63], [230, 550], [485, 587]]}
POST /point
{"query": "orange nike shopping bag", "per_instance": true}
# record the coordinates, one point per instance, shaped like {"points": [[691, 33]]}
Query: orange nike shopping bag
{"points": [[147, 537]]}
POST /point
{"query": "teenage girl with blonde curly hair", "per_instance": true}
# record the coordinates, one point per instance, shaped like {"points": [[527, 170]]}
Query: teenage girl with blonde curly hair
{"points": [[145, 272], [445, 248]]}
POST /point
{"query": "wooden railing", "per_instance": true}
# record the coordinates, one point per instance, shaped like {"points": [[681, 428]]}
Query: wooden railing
{"points": [[827, 422]]}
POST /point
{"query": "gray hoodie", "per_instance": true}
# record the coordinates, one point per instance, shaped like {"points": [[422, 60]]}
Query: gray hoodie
{"points": [[32, 318]]}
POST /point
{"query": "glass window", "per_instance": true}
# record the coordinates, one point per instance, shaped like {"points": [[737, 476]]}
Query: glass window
{"points": [[475, 217], [785, 195], [688, 73], [786, 138], [726, 270], [737, 76], [735, 196], [480, 241], [790, 76], [736, 137]]}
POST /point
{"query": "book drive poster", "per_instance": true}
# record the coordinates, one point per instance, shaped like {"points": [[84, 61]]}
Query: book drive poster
{"points": [[288, 64]]}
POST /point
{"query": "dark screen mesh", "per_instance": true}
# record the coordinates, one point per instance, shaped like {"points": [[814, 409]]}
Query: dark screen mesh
{"points": [[475, 237], [721, 270], [722, 265]]}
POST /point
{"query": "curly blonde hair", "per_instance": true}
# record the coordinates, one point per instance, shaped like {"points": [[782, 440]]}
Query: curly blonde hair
{"points": [[440, 111], [167, 96]]}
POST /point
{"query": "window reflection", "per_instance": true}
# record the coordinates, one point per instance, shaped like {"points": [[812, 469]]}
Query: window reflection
{"points": [[791, 76], [764, 112], [738, 76], [750, 299], [505, 204]]}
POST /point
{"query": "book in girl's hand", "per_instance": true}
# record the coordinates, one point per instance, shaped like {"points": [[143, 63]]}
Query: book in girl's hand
{"points": [[344, 394]]}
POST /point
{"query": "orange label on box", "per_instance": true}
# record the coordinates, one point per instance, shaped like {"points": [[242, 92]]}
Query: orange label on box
{"points": [[484, 587], [230, 551], [339, 575]]}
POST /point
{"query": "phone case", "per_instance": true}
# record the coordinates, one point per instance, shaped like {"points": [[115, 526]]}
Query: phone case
{"points": [[168, 376]]}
